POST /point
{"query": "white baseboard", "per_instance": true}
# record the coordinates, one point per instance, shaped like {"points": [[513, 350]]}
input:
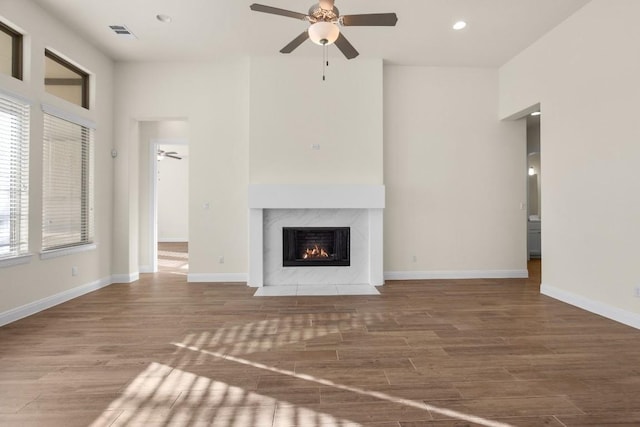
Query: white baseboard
{"points": [[610, 312], [217, 277], [461, 274], [51, 301], [146, 269], [125, 278], [173, 239]]}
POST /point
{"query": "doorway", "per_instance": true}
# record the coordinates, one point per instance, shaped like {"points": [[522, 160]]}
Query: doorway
{"points": [[172, 207], [534, 193], [163, 195]]}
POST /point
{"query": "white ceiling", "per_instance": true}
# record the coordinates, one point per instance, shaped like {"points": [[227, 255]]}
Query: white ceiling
{"points": [[209, 29]]}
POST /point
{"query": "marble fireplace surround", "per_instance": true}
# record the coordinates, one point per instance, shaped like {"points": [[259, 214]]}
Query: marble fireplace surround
{"points": [[272, 206]]}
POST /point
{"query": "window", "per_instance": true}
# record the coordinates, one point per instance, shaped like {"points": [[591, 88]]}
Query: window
{"points": [[14, 177], [67, 205], [10, 52], [65, 80]]}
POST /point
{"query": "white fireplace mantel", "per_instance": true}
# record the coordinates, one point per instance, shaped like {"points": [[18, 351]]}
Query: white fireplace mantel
{"points": [[266, 196], [370, 198]]}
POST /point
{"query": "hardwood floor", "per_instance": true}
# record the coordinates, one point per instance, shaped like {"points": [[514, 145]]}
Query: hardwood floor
{"points": [[173, 257], [425, 353]]}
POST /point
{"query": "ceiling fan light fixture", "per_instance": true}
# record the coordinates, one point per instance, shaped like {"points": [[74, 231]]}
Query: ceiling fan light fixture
{"points": [[324, 33]]}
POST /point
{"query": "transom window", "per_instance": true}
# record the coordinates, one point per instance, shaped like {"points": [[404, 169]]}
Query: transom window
{"points": [[10, 51], [65, 80]]}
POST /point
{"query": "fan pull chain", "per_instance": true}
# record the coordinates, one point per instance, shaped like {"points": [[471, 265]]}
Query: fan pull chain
{"points": [[326, 48], [325, 60]]}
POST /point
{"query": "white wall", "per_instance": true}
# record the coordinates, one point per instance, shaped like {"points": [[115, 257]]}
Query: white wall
{"points": [[285, 122], [292, 109], [585, 76], [213, 98], [173, 195], [455, 176], [289, 112], [40, 279]]}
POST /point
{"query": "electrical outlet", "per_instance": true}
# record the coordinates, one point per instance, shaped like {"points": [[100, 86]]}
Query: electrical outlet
{"points": [[74, 271], [637, 292], [221, 260], [315, 146], [414, 259]]}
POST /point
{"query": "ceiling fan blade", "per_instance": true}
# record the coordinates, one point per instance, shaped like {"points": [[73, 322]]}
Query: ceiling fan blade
{"points": [[295, 42], [276, 11], [345, 47], [370, 19], [173, 156]]}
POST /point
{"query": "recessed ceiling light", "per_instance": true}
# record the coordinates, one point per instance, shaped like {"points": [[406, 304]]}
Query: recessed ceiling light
{"points": [[163, 18], [459, 25], [536, 113]]}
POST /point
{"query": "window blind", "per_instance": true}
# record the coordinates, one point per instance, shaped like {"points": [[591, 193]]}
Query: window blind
{"points": [[67, 203], [14, 177]]}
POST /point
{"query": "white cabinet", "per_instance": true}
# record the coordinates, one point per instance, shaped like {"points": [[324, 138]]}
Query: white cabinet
{"points": [[534, 240]]}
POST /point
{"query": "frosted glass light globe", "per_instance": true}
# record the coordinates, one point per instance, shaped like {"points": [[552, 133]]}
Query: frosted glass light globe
{"points": [[323, 33]]}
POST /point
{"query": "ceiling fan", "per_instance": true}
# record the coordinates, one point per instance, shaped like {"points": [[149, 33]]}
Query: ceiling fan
{"points": [[324, 19], [171, 154]]}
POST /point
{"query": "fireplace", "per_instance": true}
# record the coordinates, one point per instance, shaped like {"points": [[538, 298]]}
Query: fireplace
{"points": [[275, 206], [316, 247]]}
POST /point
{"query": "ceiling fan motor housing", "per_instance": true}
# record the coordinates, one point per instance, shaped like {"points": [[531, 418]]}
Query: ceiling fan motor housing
{"points": [[318, 14], [326, 4]]}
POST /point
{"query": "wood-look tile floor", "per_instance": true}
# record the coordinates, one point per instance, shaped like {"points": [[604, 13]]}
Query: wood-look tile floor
{"points": [[161, 352], [173, 257]]}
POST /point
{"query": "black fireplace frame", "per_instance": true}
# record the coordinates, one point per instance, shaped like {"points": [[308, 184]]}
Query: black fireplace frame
{"points": [[341, 257]]}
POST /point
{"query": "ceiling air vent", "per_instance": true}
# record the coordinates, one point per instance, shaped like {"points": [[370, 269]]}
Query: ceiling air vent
{"points": [[122, 31]]}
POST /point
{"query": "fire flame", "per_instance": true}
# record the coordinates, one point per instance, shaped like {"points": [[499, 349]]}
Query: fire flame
{"points": [[315, 252]]}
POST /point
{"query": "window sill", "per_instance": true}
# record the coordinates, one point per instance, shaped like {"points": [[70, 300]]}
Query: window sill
{"points": [[55, 253], [15, 260]]}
